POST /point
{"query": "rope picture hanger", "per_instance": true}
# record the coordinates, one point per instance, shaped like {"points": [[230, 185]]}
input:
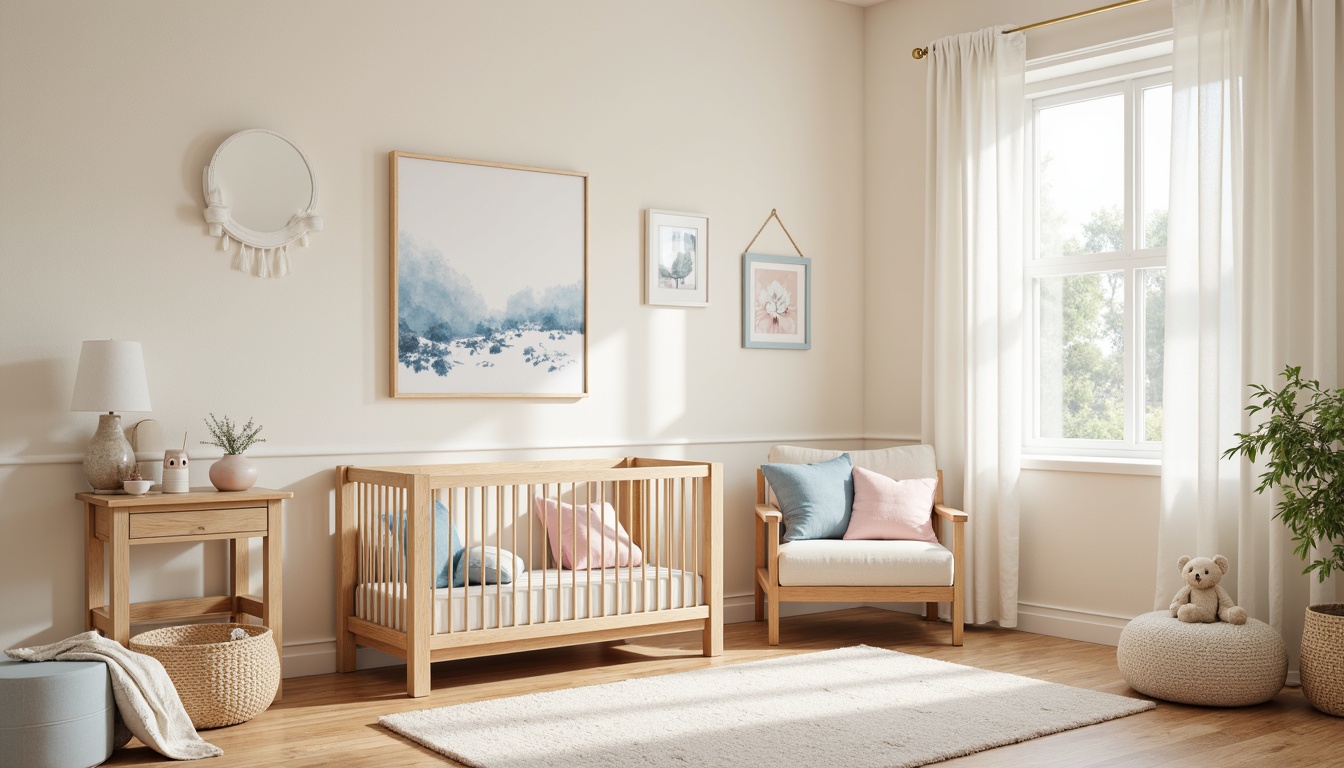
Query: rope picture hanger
{"points": [[774, 215], [776, 296]]}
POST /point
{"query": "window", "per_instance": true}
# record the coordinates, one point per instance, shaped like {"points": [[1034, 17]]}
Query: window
{"points": [[1099, 152]]}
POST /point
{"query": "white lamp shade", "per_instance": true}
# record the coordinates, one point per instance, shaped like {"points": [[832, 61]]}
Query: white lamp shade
{"points": [[111, 377]]}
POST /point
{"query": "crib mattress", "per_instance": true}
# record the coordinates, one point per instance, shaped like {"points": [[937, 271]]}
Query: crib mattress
{"points": [[537, 597]]}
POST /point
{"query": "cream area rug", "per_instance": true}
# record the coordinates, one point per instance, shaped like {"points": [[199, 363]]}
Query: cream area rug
{"points": [[858, 707]]}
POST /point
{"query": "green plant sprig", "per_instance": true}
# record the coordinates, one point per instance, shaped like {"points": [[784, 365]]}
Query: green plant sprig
{"points": [[1303, 448], [234, 440]]}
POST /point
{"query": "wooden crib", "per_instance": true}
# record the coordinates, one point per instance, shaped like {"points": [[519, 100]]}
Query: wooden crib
{"points": [[388, 599]]}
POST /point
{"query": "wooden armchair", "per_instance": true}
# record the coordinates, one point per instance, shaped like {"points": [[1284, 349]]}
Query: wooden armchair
{"points": [[892, 571]]}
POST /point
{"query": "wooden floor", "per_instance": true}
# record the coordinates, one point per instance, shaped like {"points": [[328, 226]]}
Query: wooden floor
{"points": [[333, 719]]}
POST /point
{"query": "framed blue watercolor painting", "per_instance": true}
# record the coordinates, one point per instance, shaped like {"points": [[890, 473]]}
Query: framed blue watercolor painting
{"points": [[489, 279]]}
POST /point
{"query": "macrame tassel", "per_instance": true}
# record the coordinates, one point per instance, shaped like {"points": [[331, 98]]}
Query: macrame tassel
{"points": [[244, 258], [281, 262], [224, 242], [238, 259], [263, 266]]}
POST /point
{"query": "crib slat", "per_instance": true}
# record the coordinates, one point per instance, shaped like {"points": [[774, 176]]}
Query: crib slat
{"points": [[601, 510], [499, 532], [375, 544], [518, 514], [361, 546], [696, 540], [362, 525], [451, 504], [398, 572], [681, 543], [668, 504], [602, 584], [649, 490], [538, 557], [574, 548], [386, 558]]}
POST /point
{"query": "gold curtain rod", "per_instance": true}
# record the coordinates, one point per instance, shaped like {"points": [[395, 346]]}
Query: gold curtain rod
{"points": [[920, 53]]}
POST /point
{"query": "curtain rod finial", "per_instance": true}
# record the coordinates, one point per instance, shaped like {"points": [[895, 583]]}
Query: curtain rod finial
{"points": [[920, 53]]}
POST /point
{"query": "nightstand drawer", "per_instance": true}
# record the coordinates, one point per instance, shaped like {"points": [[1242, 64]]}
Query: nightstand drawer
{"points": [[198, 523]]}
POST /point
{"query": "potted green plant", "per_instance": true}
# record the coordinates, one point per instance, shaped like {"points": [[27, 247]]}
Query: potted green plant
{"points": [[234, 472], [1302, 443]]}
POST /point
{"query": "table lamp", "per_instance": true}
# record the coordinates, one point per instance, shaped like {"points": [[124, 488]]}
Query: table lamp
{"points": [[111, 378]]}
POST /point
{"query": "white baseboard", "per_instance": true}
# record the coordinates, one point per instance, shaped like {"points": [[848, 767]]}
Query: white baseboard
{"points": [[304, 659], [1103, 629]]}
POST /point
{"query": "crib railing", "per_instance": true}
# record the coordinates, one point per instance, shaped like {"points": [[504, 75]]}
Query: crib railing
{"points": [[395, 525]]}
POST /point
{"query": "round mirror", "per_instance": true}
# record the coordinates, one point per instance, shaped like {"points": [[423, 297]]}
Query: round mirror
{"points": [[260, 190]]}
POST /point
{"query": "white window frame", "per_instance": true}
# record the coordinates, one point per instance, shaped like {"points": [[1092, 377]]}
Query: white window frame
{"points": [[1127, 67]]}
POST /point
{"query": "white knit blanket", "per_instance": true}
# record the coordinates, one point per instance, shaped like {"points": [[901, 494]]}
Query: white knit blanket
{"points": [[146, 700]]}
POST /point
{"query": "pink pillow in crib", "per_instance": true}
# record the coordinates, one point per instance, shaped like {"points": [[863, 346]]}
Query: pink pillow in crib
{"points": [[891, 509], [599, 541]]}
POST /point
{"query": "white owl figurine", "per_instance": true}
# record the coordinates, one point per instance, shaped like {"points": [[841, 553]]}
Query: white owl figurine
{"points": [[175, 472]]}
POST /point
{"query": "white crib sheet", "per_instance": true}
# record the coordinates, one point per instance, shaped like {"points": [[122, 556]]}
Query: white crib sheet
{"points": [[545, 595]]}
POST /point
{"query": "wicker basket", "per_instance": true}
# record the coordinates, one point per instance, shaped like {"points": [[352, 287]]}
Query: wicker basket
{"points": [[1323, 658], [221, 681]]}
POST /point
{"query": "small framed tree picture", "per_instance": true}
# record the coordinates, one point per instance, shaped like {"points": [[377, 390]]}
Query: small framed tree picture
{"points": [[676, 259], [776, 302]]}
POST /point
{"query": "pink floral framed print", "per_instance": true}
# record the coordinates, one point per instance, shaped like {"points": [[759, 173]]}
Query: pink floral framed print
{"points": [[776, 302]]}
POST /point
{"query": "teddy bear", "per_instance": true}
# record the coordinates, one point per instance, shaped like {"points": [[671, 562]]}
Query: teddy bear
{"points": [[1202, 599]]}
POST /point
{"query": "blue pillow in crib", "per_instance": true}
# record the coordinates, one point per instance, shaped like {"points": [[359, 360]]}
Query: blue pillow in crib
{"points": [[486, 565], [444, 551]]}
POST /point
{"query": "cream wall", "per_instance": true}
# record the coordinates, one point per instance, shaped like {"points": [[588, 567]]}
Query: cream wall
{"points": [[108, 112], [1069, 519]]}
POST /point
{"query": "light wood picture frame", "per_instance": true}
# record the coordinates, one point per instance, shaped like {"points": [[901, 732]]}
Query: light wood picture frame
{"points": [[676, 259], [776, 302], [489, 277]]}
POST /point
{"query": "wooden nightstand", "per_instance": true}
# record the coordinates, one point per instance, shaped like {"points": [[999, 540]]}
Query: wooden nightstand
{"points": [[120, 521]]}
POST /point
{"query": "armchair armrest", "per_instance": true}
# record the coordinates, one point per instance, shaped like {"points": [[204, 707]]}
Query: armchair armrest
{"points": [[769, 514], [950, 514]]}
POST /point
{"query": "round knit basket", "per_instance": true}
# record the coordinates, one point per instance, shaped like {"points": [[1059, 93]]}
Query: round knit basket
{"points": [[1323, 658], [221, 681]]}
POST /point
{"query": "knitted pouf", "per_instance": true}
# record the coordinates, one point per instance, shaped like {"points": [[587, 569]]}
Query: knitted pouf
{"points": [[1214, 665]]}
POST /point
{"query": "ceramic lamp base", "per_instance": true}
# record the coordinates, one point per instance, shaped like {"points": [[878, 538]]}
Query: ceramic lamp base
{"points": [[109, 457]]}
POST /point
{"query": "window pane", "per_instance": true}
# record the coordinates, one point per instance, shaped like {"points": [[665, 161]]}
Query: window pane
{"points": [[1081, 356], [1080, 168], [1156, 165], [1154, 282]]}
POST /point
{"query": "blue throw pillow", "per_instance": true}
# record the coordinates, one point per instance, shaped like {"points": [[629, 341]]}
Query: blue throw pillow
{"points": [[815, 499], [444, 551], [498, 566]]}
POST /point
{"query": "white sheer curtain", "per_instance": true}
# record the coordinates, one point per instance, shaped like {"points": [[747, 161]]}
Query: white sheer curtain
{"points": [[972, 386], [1251, 277]]}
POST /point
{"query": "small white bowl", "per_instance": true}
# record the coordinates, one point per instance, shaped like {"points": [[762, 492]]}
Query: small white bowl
{"points": [[136, 487]]}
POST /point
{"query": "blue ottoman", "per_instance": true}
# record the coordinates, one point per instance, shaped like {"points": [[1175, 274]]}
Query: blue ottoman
{"points": [[55, 714]]}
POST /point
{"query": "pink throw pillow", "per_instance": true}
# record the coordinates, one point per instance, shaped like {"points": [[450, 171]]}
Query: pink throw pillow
{"points": [[891, 509], [599, 541]]}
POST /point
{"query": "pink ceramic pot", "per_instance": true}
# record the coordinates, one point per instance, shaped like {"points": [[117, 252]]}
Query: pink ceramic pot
{"points": [[234, 472]]}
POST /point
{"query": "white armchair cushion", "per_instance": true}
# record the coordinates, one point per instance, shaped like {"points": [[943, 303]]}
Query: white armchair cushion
{"points": [[840, 563]]}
